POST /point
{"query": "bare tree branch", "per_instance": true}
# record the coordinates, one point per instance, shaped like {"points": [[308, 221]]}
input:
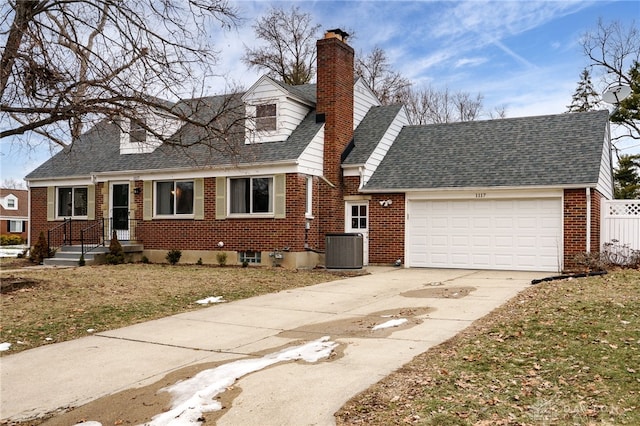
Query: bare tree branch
{"points": [[290, 50], [68, 64]]}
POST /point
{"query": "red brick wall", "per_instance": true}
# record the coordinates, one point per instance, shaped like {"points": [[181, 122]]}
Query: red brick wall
{"points": [[189, 234], [38, 221], [236, 234], [575, 224], [386, 224], [386, 229], [4, 229], [596, 199]]}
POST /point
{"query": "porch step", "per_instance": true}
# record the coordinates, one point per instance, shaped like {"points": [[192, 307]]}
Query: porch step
{"points": [[70, 255]]}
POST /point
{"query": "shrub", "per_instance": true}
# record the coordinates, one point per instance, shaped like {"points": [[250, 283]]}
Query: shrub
{"points": [[199, 262], [245, 263], [82, 262], [11, 240], [116, 252], [145, 259], [222, 258], [173, 256], [40, 249]]}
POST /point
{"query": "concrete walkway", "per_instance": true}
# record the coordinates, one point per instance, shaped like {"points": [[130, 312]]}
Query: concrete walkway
{"points": [[73, 373]]}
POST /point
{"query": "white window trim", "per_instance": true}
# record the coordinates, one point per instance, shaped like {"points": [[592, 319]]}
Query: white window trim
{"points": [[309, 198], [272, 196], [72, 216], [256, 119], [17, 222], [174, 215]]}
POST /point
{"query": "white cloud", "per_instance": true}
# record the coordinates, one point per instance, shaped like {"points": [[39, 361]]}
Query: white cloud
{"points": [[469, 62]]}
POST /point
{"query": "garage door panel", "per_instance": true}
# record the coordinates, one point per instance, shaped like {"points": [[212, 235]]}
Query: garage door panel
{"points": [[503, 241], [485, 234]]}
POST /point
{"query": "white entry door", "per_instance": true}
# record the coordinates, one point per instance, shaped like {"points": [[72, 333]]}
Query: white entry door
{"points": [[357, 221]]}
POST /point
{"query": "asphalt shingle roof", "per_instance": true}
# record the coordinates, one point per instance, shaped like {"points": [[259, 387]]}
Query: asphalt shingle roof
{"points": [[98, 150], [552, 150], [370, 131]]}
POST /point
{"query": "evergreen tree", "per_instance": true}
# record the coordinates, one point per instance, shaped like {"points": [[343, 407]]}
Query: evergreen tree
{"points": [[628, 111], [627, 177], [585, 98]]}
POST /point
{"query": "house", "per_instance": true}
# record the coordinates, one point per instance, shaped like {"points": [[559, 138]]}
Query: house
{"points": [[14, 212], [318, 159]]}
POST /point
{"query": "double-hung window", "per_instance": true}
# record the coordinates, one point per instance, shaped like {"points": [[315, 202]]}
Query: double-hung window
{"points": [[138, 132], [174, 198], [72, 202], [251, 195], [16, 226], [266, 117]]}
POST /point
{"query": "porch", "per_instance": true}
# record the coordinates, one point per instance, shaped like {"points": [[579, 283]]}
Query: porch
{"points": [[72, 240]]}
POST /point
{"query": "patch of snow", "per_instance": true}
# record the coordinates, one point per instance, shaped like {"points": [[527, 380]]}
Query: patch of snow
{"points": [[91, 423], [212, 299], [194, 396], [5, 346], [12, 251], [390, 323], [90, 330], [48, 339]]}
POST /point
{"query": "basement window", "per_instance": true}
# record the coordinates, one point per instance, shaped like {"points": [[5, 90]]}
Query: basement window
{"points": [[250, 257]]}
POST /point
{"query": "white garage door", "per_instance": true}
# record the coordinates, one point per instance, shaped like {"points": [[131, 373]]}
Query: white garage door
{"points": [[485, 234]]}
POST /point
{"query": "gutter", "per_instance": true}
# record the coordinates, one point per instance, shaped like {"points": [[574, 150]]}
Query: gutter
{"points": [[472, 188], [135, 173]]}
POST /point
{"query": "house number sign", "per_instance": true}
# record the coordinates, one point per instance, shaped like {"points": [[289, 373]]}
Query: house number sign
{"points": [[481, 194]]}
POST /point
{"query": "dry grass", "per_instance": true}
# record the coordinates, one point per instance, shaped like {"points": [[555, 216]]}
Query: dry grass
{"points": [[54, 305], [560, 353]]}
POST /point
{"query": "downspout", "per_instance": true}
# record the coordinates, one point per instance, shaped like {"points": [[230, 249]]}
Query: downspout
{"points": [[588, 220], [29, 216]]}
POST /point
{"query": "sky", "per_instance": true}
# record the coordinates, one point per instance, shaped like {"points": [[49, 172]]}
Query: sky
{"points": [[524, 56]]}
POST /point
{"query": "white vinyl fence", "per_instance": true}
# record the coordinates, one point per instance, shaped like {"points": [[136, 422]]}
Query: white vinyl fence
{"points": [[620, 221]]}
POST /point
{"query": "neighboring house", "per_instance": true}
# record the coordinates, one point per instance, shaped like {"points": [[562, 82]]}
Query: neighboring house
{"points": [[312, 160], [14, 212]]}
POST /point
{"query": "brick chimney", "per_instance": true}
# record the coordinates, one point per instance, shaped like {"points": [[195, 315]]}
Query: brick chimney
{"points": [[334, 106], [335, 80]]}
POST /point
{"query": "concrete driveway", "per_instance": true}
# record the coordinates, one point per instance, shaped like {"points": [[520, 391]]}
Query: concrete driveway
{"points": [[436, 303]]}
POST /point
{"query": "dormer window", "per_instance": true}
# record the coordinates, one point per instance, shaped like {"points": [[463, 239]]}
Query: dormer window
{"points": [[266, 117], [11, 204], [138, 133]]}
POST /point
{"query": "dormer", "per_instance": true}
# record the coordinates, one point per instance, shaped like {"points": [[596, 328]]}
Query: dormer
{"points": [[9, 202], [136, 139], [274, 110]]}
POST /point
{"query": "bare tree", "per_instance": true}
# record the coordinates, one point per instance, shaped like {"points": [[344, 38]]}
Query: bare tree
{"points": [[290, 49], [614, 51], [66, 65], [431, 106], [374, 68], [12, 184]]}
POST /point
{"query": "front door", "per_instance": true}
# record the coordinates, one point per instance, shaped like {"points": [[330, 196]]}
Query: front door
{"points": [[120, 210], [357, 221]]}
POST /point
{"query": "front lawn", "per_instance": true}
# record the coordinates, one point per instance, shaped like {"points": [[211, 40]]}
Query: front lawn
{"points": [[53, 305]]}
